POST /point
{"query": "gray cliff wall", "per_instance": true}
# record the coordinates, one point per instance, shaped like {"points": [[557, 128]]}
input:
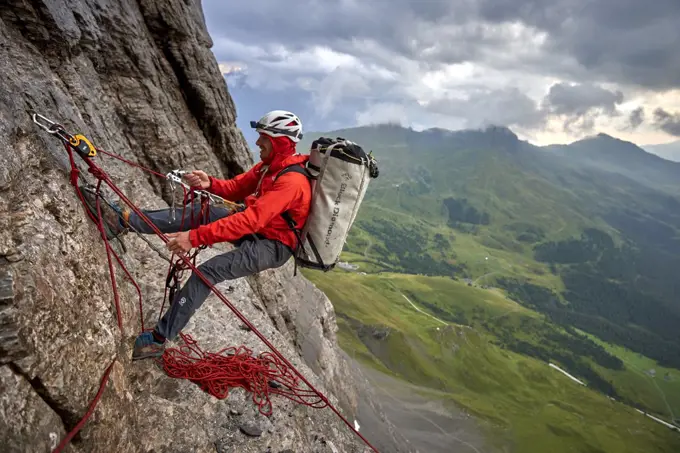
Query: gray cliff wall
{"points": [[138, 78]]}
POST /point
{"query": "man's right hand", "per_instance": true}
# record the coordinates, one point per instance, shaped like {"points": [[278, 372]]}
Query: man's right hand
{"points": [[198, 178]]}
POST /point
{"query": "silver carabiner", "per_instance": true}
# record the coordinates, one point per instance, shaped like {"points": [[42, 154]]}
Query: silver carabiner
{"points": [[44, 123], [175, 177], [51, 127], [172, 180]]}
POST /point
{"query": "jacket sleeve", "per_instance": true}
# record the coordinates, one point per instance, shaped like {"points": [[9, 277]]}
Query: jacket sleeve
{"points": [[238, 187], [277, 200]]}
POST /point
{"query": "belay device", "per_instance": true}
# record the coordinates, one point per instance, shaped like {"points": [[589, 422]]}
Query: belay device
{"points": [[340, 171]]}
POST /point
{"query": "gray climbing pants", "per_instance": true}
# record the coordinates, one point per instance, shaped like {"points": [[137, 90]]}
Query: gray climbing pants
{"points": [[252, 255], [163, 218]]}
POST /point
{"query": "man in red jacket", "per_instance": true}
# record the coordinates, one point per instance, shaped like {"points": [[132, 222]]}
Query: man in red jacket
{"points": [[263, 238]]}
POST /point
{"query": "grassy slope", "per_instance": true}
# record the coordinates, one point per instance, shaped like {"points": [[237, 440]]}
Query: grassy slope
{"points": [[469, 249], [660, 393], [525, 403]]}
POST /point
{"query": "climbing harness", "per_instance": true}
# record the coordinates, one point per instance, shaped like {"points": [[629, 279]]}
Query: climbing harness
{"points": [[266, 374]]}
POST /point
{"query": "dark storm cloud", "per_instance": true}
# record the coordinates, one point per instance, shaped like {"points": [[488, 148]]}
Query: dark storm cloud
{"points": [[399, 27], [667, 121], [507, 107], [625, 41], [578, 99], [637, 117], [300, 22], [579, 105], [629, 41]]}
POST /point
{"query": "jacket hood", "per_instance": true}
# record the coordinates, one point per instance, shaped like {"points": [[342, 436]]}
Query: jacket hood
{"points": [[282, 148]]}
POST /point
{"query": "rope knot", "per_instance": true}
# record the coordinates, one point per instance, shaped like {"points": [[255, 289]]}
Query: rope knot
{"points": [[97, 172], [75, 173]]}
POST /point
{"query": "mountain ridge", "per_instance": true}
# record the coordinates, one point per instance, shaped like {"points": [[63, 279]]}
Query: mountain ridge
{"points": [[499, 131], [669, 151]]}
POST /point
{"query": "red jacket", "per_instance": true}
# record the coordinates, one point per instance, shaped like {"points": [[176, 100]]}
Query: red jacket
{"points": [[262, 215]]}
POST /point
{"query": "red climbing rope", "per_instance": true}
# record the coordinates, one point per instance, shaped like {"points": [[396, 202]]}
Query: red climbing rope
{"points": [[129, 162], [90, 410], [263, 375], [231, 367]]}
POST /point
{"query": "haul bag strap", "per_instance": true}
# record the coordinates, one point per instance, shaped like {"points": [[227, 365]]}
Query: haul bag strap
{"points": [[296, 168]]}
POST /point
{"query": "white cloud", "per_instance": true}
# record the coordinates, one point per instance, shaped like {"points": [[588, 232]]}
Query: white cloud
{"points": [[315, 59], [337, 86], [232, 67], [385, 112]]}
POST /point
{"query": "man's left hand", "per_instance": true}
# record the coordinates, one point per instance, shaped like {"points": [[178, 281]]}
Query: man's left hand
{"points": [[179, 242]]}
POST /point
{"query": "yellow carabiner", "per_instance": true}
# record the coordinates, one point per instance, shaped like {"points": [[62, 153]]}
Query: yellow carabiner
{"points": [[83, 145]]}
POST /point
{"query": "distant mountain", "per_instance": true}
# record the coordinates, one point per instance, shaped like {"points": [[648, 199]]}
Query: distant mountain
{"points": [[670, 151], [614, 155], [587, 233]]}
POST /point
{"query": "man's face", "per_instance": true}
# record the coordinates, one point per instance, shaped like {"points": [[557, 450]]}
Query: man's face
{"points": [[265, 146]]}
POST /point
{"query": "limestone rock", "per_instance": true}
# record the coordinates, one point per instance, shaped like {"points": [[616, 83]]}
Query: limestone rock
{"points": [[40, 426], [11, 346], [138, 78]]}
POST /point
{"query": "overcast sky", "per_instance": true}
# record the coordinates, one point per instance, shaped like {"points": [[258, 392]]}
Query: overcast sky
{"points": [[551, 70]]}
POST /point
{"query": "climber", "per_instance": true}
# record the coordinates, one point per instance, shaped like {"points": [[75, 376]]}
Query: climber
{"points": [[263, 239]]}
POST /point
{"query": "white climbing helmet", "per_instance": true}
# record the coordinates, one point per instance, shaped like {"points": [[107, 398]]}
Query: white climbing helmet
{"points": [[279, 123]]}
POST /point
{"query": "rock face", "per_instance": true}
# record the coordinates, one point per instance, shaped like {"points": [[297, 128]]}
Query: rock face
{"points": [[137, 78]]}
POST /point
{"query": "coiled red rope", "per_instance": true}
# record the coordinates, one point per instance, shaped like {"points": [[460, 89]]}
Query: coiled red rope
{"points": [[216, 373]]}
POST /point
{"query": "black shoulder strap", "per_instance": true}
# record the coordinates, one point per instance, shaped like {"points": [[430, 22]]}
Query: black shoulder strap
{"points": [[296, 168]]}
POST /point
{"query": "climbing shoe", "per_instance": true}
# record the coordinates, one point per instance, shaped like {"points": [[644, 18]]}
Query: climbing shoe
{"points": [[112, 213], [146, 347]]}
